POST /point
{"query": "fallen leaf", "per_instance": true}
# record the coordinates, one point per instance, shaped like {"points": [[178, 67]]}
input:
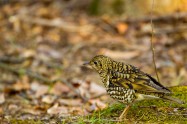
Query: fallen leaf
{"points": [[122, 28], [32, 111], [77, 82], [39, 89], [13, 107], [1, 110], [49, 99], [56, 109], [59, 88], [2, 98], [28, 53], [78, 111], [18, 86], [84, 89], [53, 36], [96, 104], [22, 84], [70, 102]]}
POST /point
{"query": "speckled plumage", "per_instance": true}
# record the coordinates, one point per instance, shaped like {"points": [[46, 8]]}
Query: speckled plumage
{"points": [[122, 95], [126, 83]]}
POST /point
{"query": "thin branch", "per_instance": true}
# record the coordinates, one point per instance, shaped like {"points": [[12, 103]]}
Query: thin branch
{"points": [[152, 47]]}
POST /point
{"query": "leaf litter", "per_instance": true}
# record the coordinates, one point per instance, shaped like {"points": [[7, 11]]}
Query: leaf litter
{"points": [[40, 38]]}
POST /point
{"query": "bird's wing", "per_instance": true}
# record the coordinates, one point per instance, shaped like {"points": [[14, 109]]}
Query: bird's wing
{"points": [[137, 80]]}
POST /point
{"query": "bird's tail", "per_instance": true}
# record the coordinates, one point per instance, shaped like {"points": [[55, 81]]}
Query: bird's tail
{"points": [[173, 99]]}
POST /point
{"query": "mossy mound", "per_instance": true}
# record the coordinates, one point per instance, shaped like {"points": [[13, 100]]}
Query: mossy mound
{"points": [[147, 111]]}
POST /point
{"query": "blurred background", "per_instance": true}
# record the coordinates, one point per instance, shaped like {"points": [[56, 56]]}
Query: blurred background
{"points": [[43, 45]]}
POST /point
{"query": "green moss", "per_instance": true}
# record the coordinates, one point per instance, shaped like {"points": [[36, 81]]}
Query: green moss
{"points": [[147, 111], [28, 121]]}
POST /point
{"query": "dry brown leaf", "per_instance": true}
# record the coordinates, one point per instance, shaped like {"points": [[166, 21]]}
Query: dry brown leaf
{"points": [[122, 28], [22, 84], [120, 54], [59, 88], [49, 99], [70, 102], [56, 109], [53, 36], [96, 104], [37, 30], [42, 11], [1, 110], [2, 98], [12, 106], [39, 89], [32, 111], [83, 88], [78, 111], [28, 53]]}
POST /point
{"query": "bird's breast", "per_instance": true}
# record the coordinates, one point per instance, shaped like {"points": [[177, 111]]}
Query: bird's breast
{"points": [[121, 94]]}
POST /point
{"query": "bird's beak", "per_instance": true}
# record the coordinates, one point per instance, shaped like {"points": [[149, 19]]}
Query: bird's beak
{"points": [[86, 63]]}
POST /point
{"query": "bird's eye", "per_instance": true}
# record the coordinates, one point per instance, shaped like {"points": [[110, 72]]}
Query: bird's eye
{"points": [[95, 63]]}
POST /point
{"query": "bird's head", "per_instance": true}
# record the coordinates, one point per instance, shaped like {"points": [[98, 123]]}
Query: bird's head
{"points": [[99, 63]]}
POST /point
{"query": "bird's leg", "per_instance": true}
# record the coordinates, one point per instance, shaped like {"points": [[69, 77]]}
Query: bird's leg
{"points": [[124, 113]]}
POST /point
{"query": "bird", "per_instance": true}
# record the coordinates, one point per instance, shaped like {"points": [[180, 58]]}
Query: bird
{"points": [[127, 83]]}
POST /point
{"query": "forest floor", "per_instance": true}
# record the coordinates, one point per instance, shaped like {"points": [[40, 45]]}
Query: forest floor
{"points": [[43, 47]]}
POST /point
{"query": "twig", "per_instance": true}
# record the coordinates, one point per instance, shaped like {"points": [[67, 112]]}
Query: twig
{"points": [[152, 47]]}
